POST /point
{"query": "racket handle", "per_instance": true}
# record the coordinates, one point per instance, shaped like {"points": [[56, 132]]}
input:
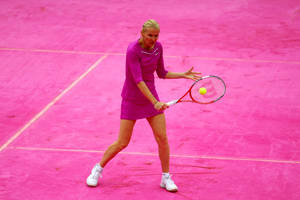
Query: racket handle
{"points": [[170, 103]]}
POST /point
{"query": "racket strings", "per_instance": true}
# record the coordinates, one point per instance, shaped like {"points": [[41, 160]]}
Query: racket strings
{"points": [[215, 89]]}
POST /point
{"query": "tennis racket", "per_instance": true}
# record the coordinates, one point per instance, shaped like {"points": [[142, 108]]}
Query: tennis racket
{"points": [[205, 90]]}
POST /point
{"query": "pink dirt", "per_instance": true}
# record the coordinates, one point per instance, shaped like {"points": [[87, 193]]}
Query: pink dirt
{"points": [[244, 147]]}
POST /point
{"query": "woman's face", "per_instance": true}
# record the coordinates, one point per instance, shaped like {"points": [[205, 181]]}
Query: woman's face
{"points": [[150, 36]]}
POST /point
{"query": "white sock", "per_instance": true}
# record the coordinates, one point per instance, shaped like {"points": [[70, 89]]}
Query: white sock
{"points": [[99, 167], [166, 174]]}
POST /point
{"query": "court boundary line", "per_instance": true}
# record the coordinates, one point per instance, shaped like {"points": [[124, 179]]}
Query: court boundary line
{"points": [[123, 54], [155, 154], [49, 105]]}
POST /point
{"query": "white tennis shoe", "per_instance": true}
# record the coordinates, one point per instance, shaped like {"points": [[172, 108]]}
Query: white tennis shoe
{"points": [[92, 179], [168, 183]]}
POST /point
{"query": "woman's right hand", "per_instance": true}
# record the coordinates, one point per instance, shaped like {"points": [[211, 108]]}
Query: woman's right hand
{"points": [[160, 106]]}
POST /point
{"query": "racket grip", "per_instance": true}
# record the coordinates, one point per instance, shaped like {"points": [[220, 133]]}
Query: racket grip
{"points": [[170, 103]]}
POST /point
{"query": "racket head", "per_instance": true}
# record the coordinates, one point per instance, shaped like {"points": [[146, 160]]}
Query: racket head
{"points": [[215, 89]]}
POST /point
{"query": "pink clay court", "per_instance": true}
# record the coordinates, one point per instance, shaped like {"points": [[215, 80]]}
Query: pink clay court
{"points": [[62, 69]]}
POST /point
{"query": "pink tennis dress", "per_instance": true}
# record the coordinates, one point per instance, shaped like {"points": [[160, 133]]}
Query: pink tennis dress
{"points": [[140, 66]]}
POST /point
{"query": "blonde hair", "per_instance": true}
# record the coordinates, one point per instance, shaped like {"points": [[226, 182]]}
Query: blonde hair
{"points": [[151, 23]]}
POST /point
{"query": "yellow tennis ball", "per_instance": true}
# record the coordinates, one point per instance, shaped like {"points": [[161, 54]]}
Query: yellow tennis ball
{"points": [[202, 91]]}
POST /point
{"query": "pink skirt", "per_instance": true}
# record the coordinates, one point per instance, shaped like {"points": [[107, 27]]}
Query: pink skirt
{"points": [[132, 110]]}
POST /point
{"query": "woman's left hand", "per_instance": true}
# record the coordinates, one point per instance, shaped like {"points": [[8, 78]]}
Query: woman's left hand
{"points": [[192, 75]]}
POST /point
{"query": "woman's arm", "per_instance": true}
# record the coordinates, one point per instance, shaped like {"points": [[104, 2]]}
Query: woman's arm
{"points": [[174, 75], [147, 93], [188, 75]]}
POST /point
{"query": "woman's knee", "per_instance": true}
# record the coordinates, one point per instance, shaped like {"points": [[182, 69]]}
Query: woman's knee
{"points": [[162, 139], [121, 145]]}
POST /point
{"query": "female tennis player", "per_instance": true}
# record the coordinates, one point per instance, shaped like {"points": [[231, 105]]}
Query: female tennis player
{"points": [[140, 100]]}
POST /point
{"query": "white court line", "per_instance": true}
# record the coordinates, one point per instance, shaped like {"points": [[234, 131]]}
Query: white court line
{"points": [[58, 51], [154, 154], [37, 116], [122, 54]]}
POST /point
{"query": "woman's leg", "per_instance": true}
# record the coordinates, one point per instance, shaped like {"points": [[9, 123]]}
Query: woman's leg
{"points": [[126, 128], [158, 125]]}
